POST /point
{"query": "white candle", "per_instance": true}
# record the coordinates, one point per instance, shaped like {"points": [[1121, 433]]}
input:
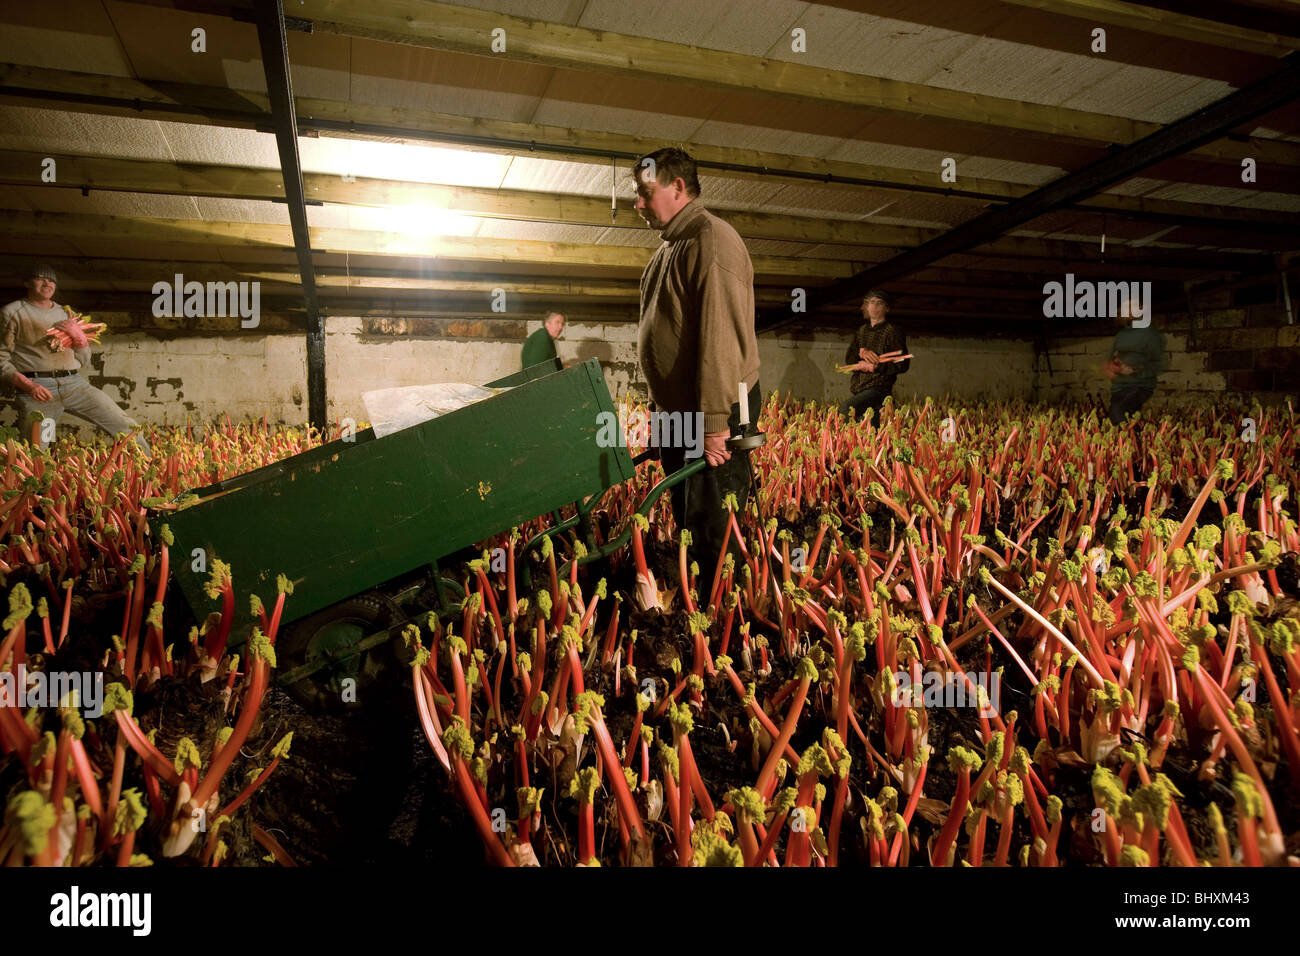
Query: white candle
{"points": [[744, 404]]}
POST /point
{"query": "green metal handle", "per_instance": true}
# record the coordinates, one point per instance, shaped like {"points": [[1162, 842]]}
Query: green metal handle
{"points": [[585, 508], [736, 443], [653, 495]]}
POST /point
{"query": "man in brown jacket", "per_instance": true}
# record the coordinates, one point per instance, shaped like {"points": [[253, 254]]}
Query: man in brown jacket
{"points": [[696, 341]]}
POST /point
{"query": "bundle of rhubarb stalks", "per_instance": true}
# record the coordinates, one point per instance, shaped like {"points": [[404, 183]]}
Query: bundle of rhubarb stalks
{"points": [[982, 635]]}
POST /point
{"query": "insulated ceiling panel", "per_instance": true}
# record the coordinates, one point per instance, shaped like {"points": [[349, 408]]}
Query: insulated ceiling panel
{"points": [[711, 25], [876, 46], [791, 142], [241, 211], [774, 247], [632, 119], [831, 250], [541, 231], [102, 203], [842, 201], [1156, 96], [743, 194], [188, 143], [1019, 72], [1228, 195], [78, 35], [618, 236], [29, 128], [556, 176], [1040, 28], [1031, 174], [404, 161]]}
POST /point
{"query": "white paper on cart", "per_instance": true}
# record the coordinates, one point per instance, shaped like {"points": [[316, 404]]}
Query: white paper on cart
{"points": [[392, 409]]}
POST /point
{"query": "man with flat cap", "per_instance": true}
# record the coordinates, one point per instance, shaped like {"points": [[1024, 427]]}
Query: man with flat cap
{"points": [[873, 379], [46, 378]]}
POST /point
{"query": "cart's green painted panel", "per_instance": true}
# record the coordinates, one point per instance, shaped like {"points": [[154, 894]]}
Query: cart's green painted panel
{"points": [[522, 377], [347, 516]]}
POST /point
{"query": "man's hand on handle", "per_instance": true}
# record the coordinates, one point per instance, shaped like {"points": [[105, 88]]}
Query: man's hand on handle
{"points": [[715, 448]]}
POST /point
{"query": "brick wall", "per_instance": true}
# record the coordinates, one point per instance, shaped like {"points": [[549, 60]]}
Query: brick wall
{"points": [[803, 364], [1244, 352], [245, 374]]}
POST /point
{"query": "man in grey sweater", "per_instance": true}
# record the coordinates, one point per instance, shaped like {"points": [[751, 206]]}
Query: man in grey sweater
{"points": [[47, 377], [696, 341]]}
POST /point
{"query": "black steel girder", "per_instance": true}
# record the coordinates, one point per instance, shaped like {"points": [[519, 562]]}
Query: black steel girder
{"points": [[275, 61]]}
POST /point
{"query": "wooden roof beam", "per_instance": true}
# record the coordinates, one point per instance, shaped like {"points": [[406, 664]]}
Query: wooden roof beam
{"points": [[1167, 23], [441, 26], [19, 168]]}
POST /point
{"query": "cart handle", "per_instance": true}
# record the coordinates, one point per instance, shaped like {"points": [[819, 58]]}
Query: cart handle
{"points": [[585, 508], [736, 443]]}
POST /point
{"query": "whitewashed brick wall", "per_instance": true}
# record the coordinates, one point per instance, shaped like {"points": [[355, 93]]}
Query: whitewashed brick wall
{"points": [[248, 375]]}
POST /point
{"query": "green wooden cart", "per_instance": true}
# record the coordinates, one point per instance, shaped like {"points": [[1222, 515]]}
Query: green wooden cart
{"points": [[359, 525]]}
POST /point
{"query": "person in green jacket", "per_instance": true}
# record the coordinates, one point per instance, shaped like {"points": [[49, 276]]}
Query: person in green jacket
{"points": [[540, 346], [1136, 358]]}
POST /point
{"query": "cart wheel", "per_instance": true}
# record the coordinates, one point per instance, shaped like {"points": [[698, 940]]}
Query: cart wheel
{"points": [[427, 599], [344, 681]]}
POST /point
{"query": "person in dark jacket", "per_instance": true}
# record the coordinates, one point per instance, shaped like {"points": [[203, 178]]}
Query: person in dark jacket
{"points": [[540, 346], [1137, 357], [873, 379]]}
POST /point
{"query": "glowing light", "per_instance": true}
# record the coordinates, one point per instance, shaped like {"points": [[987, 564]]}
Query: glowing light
{"points": [[403, 161]]}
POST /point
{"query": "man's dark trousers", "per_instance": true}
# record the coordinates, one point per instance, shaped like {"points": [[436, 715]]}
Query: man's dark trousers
{"points": [[698, 501], [1126, 400], [872, 398]]}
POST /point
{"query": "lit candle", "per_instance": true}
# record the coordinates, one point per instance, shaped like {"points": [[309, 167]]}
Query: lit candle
{"points": [[744, 404]]}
